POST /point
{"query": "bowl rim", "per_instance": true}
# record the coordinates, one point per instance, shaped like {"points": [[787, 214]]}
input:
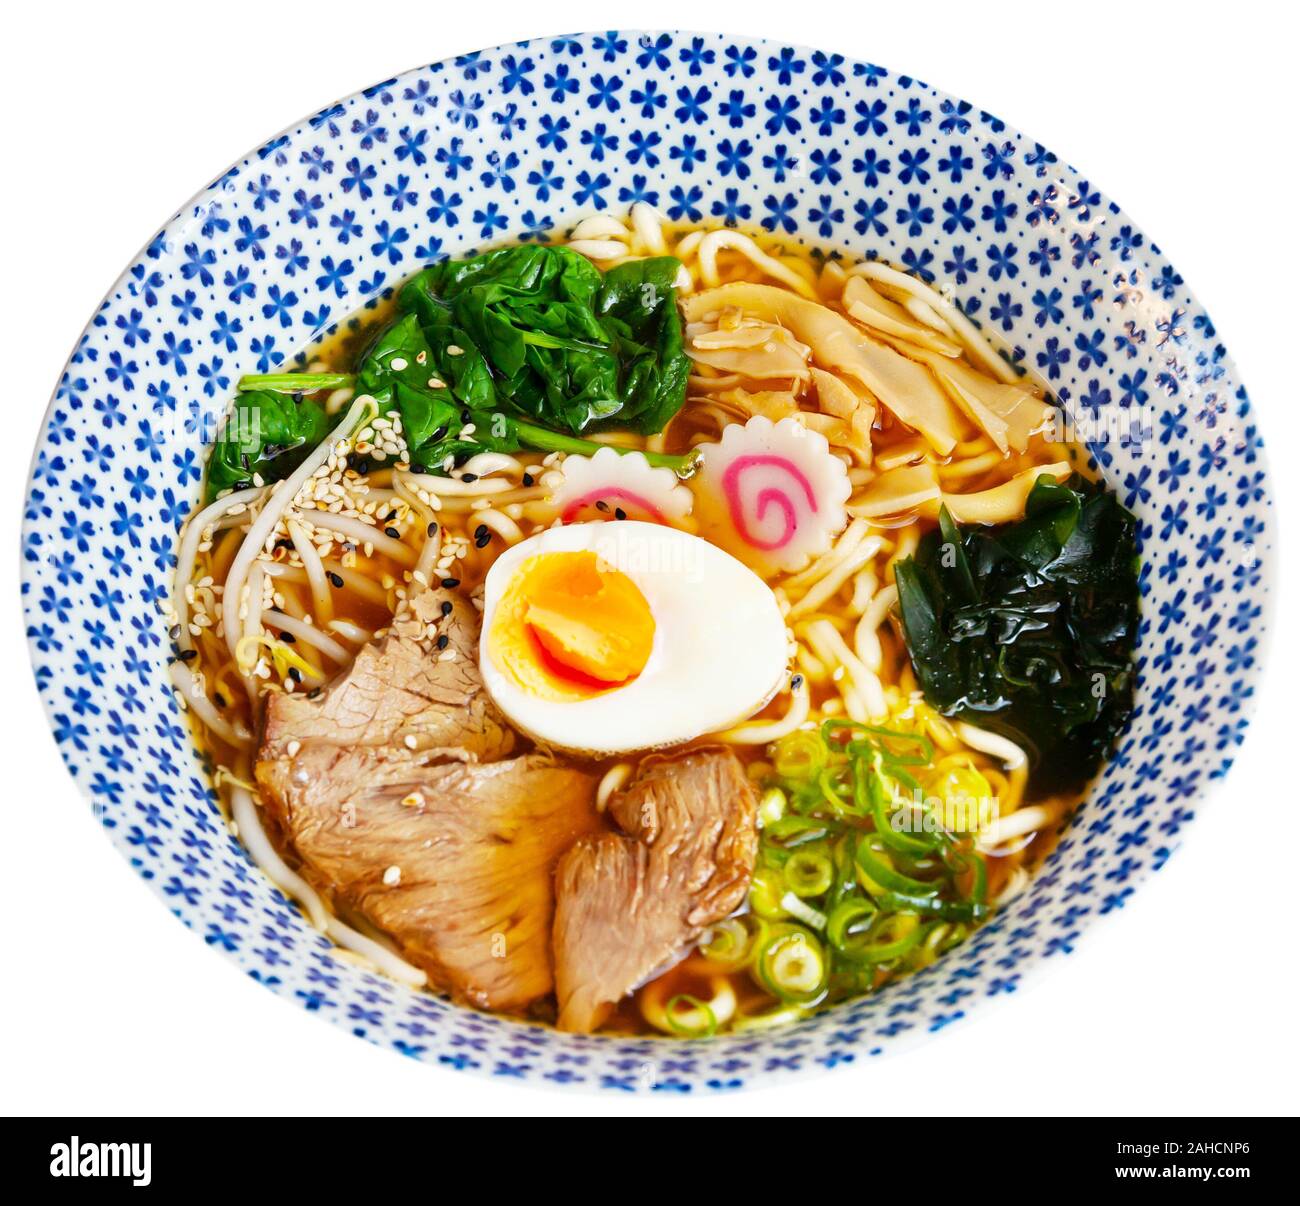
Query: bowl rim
{"points": [[1032, 970]]}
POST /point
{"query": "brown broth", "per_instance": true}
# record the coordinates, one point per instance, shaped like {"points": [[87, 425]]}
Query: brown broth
{"points": [[339, 349]]}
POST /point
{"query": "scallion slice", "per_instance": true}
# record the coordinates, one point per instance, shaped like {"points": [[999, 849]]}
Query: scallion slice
{"points": [[809, 873], [793, 966], [689, 1017]]}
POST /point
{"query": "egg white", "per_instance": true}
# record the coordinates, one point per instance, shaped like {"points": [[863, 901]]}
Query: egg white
{"points": [[720, 648]]}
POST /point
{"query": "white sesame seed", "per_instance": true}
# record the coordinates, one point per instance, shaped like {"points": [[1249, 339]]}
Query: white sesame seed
{"points": [[393, 876]]}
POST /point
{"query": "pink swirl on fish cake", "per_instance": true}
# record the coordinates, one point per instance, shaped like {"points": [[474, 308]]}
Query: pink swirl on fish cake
{"points": [[592, 497], [767, 497]]}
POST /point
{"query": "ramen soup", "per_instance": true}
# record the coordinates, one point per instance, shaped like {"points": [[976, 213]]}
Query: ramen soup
{"points": [[664, 631]]}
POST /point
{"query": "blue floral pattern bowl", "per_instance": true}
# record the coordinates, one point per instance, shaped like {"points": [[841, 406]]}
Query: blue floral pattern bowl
{"points": [[520, 142]]}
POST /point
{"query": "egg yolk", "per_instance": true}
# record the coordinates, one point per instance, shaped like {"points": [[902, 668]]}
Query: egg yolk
{"points": [[569, 626]]}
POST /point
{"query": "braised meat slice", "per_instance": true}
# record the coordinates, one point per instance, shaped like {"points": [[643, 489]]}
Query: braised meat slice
{"points": [[628, 907], [403, 686], [384, 790], [452, 860]]}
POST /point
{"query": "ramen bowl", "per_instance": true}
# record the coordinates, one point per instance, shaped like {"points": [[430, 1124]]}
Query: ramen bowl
{"points": [[520, 142]]}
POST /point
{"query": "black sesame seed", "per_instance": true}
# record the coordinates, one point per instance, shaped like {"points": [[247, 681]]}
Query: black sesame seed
{"points": [[393, 532], [443, 641], [464, 416], [174, 632], [469, 477], [284, 543], [447, 607], [431, 530], [480, 531], [481, 542], [295, 674], [349, 547], [438, 433], [362, 467], [288, 638], [601, 505], [451, 583], [619, 513], [188, 655], [528, 479], [796, 682], [336, 579]]}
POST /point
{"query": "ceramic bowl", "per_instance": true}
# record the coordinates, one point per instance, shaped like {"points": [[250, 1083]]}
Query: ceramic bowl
{"points": [[520, 142]]}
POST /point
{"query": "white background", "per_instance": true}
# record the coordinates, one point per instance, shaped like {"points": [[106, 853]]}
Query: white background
{"points": [[114, 113]]}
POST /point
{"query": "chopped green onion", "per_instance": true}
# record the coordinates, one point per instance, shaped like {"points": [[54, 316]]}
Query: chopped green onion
{"points": [[939, 938], [890, 938], [800, 756], [732, 943], [793, 966], [846, 919], [766, 888], [880, 873], [801, 909], [769, 1019], [831, 792], [834, 730], [771, 807], [873, 797], [809, 873], [697, 1021], [795, 831], [846, 854], [949, 910]]}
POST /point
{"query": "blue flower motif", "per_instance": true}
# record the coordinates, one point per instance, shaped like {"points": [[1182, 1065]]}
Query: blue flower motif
{"points": [[812, 149], [780, 212]]}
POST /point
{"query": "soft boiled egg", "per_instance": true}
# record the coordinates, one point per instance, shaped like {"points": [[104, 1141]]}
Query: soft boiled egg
{"points": [[602, 638]]}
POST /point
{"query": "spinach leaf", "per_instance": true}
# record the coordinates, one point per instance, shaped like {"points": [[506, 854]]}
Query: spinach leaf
{"points": [[268, 434], [1028, 628], [638, 302], [456, 360], [400, 370], [538, 330], [529, 312], [521, 347]]}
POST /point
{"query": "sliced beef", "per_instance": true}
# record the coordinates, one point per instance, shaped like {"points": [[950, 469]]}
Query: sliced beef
{"points": [[630, 906], [452, 860], [403, 686], [385, 789]]}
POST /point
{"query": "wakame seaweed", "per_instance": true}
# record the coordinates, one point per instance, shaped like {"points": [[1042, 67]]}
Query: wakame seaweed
{"points": [[526, 346], [1028, 628]]}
